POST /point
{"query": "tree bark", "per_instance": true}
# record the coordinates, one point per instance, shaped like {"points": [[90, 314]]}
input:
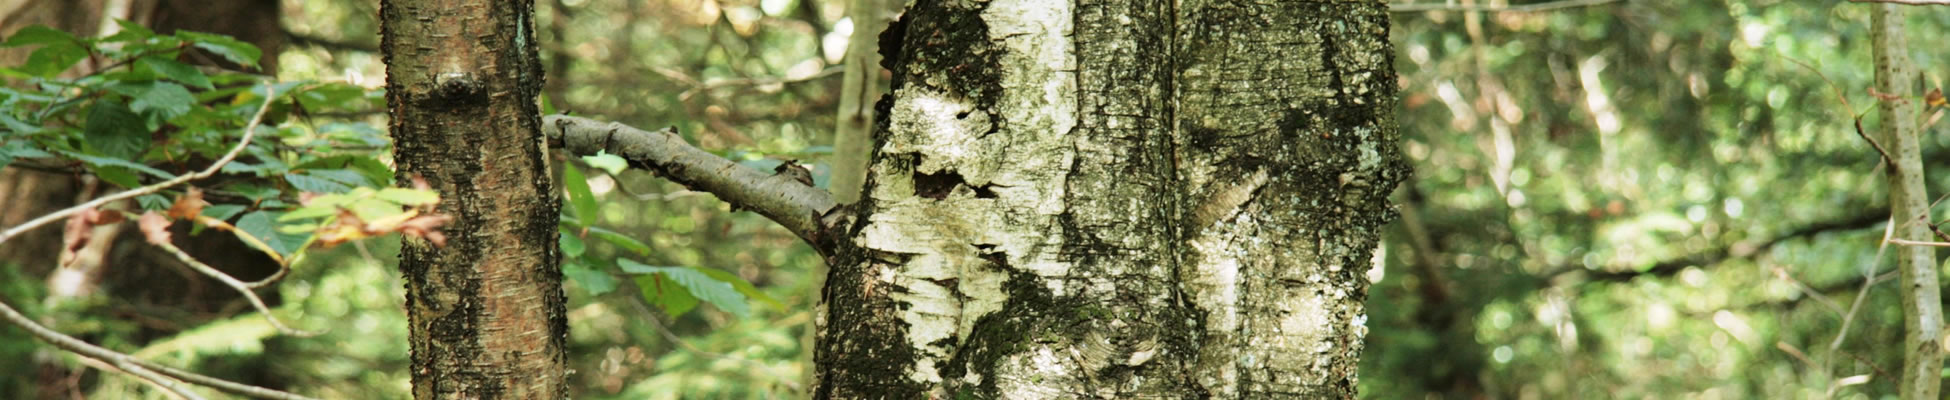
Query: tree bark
{"points": [[1909, 204], [487, 310], [1116, 199]]}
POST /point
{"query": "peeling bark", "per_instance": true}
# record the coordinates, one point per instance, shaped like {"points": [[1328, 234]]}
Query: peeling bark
{"points": [[487, 311], [1117, 199]]}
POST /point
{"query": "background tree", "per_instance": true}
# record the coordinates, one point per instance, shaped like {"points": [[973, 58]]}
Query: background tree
{"points": [[486, 308]]}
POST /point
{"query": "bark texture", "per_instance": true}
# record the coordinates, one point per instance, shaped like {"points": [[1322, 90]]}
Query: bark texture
{"points": [[487, 310], [1116, 199], [1909, 202]]}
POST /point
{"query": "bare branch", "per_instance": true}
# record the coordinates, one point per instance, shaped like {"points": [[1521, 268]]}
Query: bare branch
{"points": [[796, 206], [1535, 7], [250, 130], [136, 366]]}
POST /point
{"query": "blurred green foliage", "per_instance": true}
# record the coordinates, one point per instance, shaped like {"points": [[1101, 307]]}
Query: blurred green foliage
{"points": [[1643, 199], [1640, 199]]}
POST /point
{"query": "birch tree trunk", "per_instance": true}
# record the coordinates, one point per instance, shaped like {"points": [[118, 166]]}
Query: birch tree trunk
{"points": [[486, 310], [1909, 201], [1116, 199]]}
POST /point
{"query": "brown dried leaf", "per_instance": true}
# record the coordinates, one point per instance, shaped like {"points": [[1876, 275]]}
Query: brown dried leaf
{"points": [[155, 227], [189, 205], [428, 227]]}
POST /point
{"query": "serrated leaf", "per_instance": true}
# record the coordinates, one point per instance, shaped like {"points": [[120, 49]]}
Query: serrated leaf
{"points": [[621, 240], [39, 34], [175, 71], [743, 286], [658, 290], [115, 131], [704, 287], [410, 197], [581, 200], [607, 162], [314, 184], [169, 99], [259, 224], [236, 51], [572, 246], [595, 281]]}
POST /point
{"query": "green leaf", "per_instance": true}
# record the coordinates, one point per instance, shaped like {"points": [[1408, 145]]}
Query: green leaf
{"points": [[345, 176], [114, 131], [580, 198], [175, 71], [314, 184], [704, 287], [259, 224], [11, 150], [169, 99], [39, 34], [743, 286], [595, 281], [658, 290], [50, 60], [621, 240], [106, 162], [572, 246], [371, 209], [130, 32], [236, 51], [374, 171], [153, 202], [118, 175], [410, 197], [607, 162], [308, 212], [223, 212]]}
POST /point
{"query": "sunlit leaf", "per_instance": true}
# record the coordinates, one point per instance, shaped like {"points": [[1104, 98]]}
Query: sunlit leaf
{"points": [[621, 240], [704, 287], [581, 200]]}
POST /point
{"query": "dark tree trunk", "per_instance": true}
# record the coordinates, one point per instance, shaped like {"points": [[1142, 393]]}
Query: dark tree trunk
{"points": [[486, 311]]}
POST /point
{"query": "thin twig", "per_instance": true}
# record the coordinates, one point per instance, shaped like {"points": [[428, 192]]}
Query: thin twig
{"points": [[133, 365], [250, 130], [1869, 279], [240, 286], [1536, 7], [1841, 95]]}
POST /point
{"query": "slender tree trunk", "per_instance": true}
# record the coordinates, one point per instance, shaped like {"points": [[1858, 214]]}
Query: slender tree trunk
{"points": [[1117, 199], [486, 310], [1909, 201]]}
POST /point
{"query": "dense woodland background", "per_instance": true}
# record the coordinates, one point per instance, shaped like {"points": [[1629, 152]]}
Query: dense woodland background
{"points": [[1635, 199]]}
